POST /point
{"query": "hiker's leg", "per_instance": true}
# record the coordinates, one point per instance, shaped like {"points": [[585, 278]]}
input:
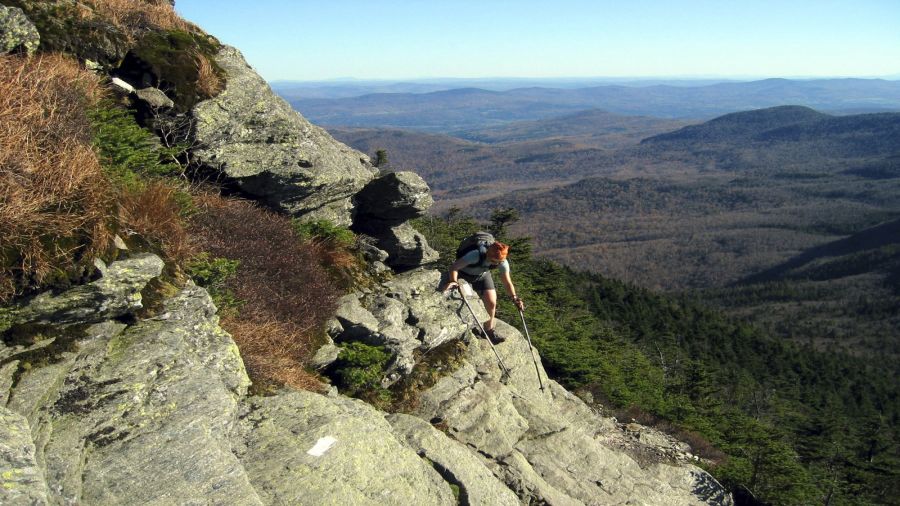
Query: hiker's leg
{"points": [[490, 305]]}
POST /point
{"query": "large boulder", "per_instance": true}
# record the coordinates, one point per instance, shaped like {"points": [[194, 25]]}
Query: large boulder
{"points": [[306, 448], [394, 198], [17, 32], [271, 153], [406, 247], [383, 208], [116, 293], [140, 414]]}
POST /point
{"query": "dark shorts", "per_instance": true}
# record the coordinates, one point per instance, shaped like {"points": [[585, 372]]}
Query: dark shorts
{"points": [[479, 283]]}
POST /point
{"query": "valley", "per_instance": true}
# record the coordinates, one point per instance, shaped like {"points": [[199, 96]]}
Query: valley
{"points": [[700, 208]]}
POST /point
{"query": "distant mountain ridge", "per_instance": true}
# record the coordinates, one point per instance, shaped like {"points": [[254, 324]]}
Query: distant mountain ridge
{"points": [[745, 124], [472, 108], [787, 127]]}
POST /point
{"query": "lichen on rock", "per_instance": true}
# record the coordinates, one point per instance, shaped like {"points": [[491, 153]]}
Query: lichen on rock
{"points": [[17, 31]]}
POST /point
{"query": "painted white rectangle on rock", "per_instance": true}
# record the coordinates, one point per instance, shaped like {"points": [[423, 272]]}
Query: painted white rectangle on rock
{"points": [[322, 445]]}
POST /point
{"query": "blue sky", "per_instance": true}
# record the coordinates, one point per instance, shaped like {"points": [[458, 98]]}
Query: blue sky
{"points": [[403, 39]]}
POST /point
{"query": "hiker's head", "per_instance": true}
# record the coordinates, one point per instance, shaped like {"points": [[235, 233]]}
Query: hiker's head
{"points": [[496, 252]]}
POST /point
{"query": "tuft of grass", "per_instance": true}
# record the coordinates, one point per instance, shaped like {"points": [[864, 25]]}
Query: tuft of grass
{"points": [[154, 213], [273, 352], [209, 76], [135, 17]]}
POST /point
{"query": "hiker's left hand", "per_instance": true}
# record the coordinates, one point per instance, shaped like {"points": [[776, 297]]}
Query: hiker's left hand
{"points": [[519, 303]]}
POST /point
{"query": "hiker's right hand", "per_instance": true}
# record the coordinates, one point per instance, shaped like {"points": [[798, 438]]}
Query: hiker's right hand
{"points": [[519, 303], [450, 286]]}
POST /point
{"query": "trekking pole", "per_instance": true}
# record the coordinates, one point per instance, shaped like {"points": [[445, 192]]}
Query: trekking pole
{"points": [[530, 347], [502, 365]]}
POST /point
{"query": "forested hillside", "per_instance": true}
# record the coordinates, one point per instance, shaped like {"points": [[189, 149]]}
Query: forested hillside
{"points": [[708, 207], [789, 423]]}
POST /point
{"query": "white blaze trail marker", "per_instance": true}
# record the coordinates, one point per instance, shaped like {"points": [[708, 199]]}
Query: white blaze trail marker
{"points": [[322, 445]]}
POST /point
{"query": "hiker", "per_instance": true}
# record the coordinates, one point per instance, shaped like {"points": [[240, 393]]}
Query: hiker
{"points": [[476, 256]]}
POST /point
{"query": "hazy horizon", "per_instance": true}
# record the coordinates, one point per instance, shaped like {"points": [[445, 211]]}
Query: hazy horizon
{"points": [[574, 79]]}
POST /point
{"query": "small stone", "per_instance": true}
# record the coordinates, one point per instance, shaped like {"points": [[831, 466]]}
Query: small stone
{"points": [[155, 98], [119, 243], [122, 85]]}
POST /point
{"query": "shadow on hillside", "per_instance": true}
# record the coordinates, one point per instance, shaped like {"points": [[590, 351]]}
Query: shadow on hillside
{"points": [[868, 239]]}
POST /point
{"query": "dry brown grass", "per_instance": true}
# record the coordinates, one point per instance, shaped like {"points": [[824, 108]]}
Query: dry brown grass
{"points": [[55, 199], [273, 352], [134, 17], [153, 213], [287, 294], [209, 83]]}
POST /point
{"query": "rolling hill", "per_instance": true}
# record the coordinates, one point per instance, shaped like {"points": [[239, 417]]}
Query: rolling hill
{"points": [[454, 110]]}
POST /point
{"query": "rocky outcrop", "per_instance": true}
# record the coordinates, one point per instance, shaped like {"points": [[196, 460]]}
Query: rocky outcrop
{"points": [[117, 292], [383, 208], [69, 26], [405, 316], [258, 142], [118, 410], [17, 32], [545, 446]]}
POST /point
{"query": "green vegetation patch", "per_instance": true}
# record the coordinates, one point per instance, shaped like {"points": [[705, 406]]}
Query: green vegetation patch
{"points": [[129, 152], [324, 230], [213, 273], [358, 372]]}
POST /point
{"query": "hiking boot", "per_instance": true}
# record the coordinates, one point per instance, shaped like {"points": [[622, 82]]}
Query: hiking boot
{"points": [[495, 339]]}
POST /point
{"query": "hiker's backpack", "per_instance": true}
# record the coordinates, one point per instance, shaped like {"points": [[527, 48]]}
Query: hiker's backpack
{"points": [[477, 241]]}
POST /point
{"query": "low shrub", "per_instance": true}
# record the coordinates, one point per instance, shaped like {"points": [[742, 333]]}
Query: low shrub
{"points": [[358, 372], [286, 292]]}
